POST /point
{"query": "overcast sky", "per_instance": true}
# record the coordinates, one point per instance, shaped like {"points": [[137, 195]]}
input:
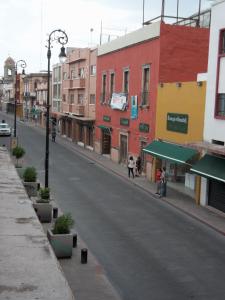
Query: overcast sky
{"points": [[25, 24]]}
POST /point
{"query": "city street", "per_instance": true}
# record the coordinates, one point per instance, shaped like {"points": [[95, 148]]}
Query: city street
{"points": [[148, 249]]}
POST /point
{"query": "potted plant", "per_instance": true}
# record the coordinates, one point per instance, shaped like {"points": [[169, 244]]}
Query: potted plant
{"points": [[42, 206], [60, 237], [18, 152], [30, 181]]}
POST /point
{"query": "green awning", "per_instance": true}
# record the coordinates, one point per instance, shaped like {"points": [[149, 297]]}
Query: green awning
{"points": [[210, 166], [105, 128], [173, 152]]}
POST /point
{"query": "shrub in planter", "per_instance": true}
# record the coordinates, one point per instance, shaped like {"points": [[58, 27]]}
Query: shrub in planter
{"points": [[42, 206], [30, 174], [29, 181], [44, 195], [60, 237], [63, 224], [18, 152]]}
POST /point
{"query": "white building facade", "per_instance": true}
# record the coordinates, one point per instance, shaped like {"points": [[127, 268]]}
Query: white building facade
{"points": [[211, 167]]}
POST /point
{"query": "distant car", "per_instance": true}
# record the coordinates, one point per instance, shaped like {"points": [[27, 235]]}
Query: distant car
{"points": [[5, 129]]}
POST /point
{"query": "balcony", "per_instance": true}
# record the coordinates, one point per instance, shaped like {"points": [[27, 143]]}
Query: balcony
{"points": [[75, 109], [73, 84], [77, 83]]}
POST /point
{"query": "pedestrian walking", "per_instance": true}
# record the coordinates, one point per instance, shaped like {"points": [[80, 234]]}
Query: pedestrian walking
{"points": [[131, 166], [158, 180], [53, 133], [138, 166], [163, 183]]}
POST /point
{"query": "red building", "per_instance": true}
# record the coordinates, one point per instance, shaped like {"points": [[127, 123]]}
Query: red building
{"points": [[129, 71]]}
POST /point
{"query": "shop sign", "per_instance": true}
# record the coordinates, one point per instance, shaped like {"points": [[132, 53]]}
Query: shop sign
{"points": [[118, 101], [107, 118], [143, 127], [134, 107], [177, 122], [124, 122]]}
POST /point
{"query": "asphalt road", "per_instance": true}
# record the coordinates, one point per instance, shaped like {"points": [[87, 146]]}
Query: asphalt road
{"points": [[148, 249]]}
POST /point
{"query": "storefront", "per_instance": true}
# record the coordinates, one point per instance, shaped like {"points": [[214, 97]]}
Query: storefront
{"points": [[178, 161], [212, 168]]}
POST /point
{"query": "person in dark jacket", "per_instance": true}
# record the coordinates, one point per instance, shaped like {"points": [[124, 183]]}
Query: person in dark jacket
{"points": [[138, 166], [53, 133]]}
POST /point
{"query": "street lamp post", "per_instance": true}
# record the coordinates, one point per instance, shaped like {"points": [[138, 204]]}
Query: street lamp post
{"points": [[20, 63], [59, 36]]}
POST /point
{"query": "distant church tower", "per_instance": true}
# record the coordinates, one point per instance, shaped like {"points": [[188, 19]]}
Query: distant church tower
{"points": [[9, 69]]}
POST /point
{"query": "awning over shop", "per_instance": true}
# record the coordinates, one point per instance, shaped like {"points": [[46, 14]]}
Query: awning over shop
{"points": [[169, 151], [210, 166], [105, 128]]}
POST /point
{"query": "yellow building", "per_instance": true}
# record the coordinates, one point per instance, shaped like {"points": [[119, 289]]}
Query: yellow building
{"points": [[179, 123]]}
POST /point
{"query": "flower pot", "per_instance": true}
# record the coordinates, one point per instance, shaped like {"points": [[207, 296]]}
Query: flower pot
{"points": [[31, 188], [43, 211], [62, 244]]}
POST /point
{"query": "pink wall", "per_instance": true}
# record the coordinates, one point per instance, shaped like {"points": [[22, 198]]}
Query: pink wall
{"points": [[133, 58]]}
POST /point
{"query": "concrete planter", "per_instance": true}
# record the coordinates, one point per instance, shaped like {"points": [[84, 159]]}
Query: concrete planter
{"points": [[62, 244], [31, 188], [43, 211]]}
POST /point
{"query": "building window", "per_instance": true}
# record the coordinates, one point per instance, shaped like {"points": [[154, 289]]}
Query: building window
{"points": [[93, 70], [103, 95], [222, 42], [145, 85], [72, 74], [64, 98], [80, 99], [220, 95], [64, 75], [221, 105], [71, 98], [126, 81], [59, 91], [57, 74], [92, 99], [81, 72], [112, 84], [55, 91]]}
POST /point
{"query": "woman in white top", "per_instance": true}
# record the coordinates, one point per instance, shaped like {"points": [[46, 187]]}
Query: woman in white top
{"points": [[131, 166]]}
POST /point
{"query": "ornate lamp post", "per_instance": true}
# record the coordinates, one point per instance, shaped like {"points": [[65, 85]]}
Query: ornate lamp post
{"points": [[59, 36], [20, 63]]}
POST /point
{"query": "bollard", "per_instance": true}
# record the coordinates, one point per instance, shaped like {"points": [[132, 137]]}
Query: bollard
{"points": [[55, 212], [84, 255], [74, 240]]}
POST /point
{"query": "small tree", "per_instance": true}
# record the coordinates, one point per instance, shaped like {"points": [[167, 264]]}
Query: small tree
{"points": [[30, 174], [18, 152]]}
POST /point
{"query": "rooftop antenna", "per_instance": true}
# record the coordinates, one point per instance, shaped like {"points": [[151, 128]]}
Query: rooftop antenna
{"points": [[162, 10], [177, 10], [143, 13], [101, 33], [199, 12]]}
